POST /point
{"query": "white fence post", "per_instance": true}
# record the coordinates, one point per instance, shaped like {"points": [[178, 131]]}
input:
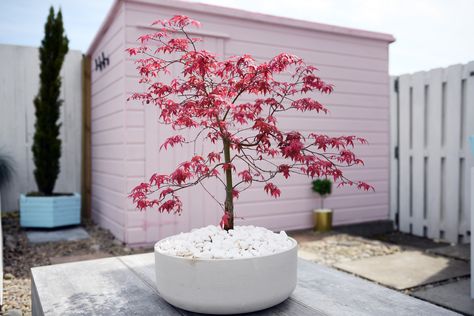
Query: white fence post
{"points": [[436, 112], [394, 149], [472, 226]]}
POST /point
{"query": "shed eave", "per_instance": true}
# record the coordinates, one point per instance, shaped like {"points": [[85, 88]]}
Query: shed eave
{"points": [[267, 18], [242, 14], [104, 26]]}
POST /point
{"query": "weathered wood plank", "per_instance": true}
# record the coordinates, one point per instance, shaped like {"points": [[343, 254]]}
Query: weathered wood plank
{"points": [[435, 97], [452, 137], [144, 266], [405, 152], [467, 130], [86, 139], [126, 286], [433, 127], [393, 145], [339, 293], [96, 287], [418, 149]]}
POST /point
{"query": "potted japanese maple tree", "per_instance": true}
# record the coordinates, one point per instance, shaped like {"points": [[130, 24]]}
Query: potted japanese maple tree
{"points": [[230, 269], [46, 208]]}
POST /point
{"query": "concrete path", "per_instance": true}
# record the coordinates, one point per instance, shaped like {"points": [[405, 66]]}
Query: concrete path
{"points": [[407, 269], [454, 295], [68, 234], [462, 252]]}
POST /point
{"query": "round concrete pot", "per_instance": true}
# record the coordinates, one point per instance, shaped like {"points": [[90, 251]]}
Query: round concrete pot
{"points": [[226, 286]]}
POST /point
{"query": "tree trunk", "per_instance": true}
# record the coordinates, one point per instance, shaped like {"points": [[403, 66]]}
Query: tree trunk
{"points": [[229, 199]]}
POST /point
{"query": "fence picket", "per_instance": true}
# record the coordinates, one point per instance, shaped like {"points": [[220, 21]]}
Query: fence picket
{"points": [[451, 150], [435, 96], [393, 153], [404, 145], [417, 170], [468, 125]]}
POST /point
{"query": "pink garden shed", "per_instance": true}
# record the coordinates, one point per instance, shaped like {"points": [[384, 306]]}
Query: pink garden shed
{"points": [[125, 136]]}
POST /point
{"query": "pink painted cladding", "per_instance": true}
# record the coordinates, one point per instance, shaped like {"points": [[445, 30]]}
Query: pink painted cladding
{"points": [[126, 136], [107, 128]]}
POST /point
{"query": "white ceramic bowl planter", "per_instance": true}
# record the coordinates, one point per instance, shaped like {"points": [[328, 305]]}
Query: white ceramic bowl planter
{"points": [[204, 276]]}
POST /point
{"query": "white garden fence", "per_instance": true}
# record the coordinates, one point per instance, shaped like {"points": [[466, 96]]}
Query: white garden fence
{"points": [[432, 114], [19, 79]]}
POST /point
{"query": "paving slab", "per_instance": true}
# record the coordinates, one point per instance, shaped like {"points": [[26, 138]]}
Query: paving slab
{"points": [[66, 259], [68, 234], [407, 269], [460, 251], [411, 241], [454, 295]]}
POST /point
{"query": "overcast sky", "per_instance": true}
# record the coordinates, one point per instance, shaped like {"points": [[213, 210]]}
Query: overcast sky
{"points": [[429, 33]]}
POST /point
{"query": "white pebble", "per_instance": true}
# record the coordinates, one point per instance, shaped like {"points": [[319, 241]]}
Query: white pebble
{"points": [[212, 242]]}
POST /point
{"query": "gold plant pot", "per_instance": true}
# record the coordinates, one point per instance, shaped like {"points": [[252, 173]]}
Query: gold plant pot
{"points": [[322, 220]]}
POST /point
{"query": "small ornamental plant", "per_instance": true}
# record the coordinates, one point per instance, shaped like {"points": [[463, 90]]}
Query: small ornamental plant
{"points": [[323, 187], [235, 104]]}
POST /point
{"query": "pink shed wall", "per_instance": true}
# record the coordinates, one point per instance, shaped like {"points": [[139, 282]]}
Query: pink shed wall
{"points": [[108, 196], [126, 136]]}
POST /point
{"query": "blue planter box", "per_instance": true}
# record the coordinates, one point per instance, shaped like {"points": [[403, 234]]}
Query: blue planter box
{"points": [[50, 211]]}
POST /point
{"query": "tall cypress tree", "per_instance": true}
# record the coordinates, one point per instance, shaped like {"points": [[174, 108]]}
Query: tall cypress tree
{"points": [[46, 143]]}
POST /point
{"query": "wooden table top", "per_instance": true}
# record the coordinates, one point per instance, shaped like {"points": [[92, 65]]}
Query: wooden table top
{"points": [[126, 286]]}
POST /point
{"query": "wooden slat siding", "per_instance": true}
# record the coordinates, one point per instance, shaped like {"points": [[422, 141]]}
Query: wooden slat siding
{"points": [[393, 145], [273, 212], [86, 139], [159, 225], [404, 152], [360, 105], [108, 150], [20, 80], [418, 102], [435, 96], [142, 15], [451, 149]]}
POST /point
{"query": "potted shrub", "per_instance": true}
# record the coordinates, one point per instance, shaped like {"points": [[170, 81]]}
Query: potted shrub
{"points": [[322, 216], [46, 208], [229, 269]]}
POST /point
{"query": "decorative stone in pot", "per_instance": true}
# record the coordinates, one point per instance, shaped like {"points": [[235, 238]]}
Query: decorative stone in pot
{"points": [[216, 272]]}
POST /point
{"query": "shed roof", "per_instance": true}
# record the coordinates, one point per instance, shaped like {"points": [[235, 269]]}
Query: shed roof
{"points": [[244, 15]]}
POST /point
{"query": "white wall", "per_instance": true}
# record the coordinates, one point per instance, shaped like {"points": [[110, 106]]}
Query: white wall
{"points": [[19, 80]]}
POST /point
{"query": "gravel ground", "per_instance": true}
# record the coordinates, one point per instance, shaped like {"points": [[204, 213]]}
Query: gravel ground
{"points": [[19, 256], [331, 248]]}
